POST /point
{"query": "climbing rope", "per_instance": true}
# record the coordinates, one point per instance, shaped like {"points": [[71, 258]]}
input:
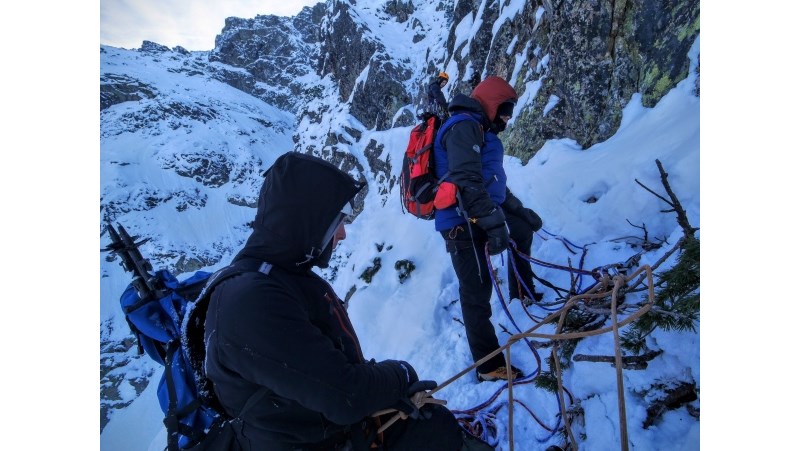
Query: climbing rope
{"points": [[567, 243], [419, 399], [483, 418], [599, 291]]}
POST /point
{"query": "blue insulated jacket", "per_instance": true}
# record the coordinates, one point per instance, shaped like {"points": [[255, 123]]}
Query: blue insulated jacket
{"points": [[492, 173]]}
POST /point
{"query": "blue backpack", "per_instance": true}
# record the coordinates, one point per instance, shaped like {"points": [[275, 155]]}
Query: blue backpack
{"points": [[167, 317]]}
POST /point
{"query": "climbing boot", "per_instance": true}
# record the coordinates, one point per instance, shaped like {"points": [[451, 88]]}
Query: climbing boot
{"points": [[501, 373]]}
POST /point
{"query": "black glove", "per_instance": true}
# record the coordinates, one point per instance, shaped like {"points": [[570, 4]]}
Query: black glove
{"points": [[498, 239], [496, 231], [512, 203], [405, 369], [531, 218], [407, 406]]}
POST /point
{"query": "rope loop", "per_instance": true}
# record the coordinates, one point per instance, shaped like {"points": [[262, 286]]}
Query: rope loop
{"points": [[610, 280]]}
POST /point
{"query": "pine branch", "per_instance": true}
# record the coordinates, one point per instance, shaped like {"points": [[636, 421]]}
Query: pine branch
{"points": [[658, 263], [546, 381]]}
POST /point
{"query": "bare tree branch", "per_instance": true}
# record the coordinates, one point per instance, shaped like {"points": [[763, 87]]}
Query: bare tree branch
{"points": [[643, 227], [633, 362], [652, 192], [683, 219]]}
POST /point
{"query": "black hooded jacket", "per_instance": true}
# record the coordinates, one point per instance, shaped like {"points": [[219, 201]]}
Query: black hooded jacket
{"points": [[435, 94], [287, 330]]}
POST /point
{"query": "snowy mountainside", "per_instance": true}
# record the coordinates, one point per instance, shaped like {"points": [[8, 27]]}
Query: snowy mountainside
{"points": [[182, 166], [195, 141], [185, 138]]}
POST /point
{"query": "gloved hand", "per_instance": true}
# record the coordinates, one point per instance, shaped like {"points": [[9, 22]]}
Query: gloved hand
{"points": [[531, 218], [405, 369], [498, 239], [495, 226], [406, 404]]}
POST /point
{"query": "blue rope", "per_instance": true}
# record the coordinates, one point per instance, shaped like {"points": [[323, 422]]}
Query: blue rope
{"points": [[493, 276], [567, 243], [513, 248], [483, 417]]}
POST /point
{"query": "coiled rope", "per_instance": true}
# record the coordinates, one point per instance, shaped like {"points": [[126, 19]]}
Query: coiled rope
{"points": [[483, 417], [599, 291]]}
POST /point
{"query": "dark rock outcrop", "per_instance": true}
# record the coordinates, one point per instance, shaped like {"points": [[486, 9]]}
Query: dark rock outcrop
{"points": [[276, 53], [584, 60], [115, 89], [153, 47]]}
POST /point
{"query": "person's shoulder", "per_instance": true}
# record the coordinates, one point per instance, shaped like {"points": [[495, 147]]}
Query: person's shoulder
{"points": [[256, 283], [463, 102], [463, 126]]}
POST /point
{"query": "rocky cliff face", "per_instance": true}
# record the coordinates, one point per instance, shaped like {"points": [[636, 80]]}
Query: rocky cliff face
{"points": [[576, 64], [270, 57]]}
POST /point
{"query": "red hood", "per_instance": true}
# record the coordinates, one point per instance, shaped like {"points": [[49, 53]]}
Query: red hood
{"points": [[491, 93]]}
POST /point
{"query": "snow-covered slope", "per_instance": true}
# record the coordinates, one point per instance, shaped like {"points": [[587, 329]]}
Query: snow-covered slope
{"points": [[181, 160]]}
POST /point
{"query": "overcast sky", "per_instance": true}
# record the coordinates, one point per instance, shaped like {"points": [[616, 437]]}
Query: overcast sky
{"points": [[192, 24]]}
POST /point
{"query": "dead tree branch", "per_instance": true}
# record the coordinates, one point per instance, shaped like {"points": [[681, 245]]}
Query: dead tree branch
{"points": [[683, 219], [631, 362]]}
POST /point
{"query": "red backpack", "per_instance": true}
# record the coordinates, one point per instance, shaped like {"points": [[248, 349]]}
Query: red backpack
{"points": [[418, 183]]}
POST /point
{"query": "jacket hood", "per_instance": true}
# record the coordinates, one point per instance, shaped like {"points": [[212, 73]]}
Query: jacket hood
{"points": [[491, 92], [300, 199], [462, 103]]}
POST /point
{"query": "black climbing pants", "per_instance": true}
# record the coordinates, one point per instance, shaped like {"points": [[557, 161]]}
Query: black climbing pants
{"points": [[475, 292], [440, 432], [522, 234], [436, 430]]}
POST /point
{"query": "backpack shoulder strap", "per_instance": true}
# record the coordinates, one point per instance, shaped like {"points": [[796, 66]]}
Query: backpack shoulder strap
{"points": [[234, 269], [193, 326], [240, 267]]}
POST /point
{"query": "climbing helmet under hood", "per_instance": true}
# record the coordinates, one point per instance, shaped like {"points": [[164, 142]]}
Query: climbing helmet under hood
{"points": [[492, 92], [299, 208]]}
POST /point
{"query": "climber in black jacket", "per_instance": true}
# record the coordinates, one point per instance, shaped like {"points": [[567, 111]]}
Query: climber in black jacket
{"points": [[437, 104], [285, 329]]}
